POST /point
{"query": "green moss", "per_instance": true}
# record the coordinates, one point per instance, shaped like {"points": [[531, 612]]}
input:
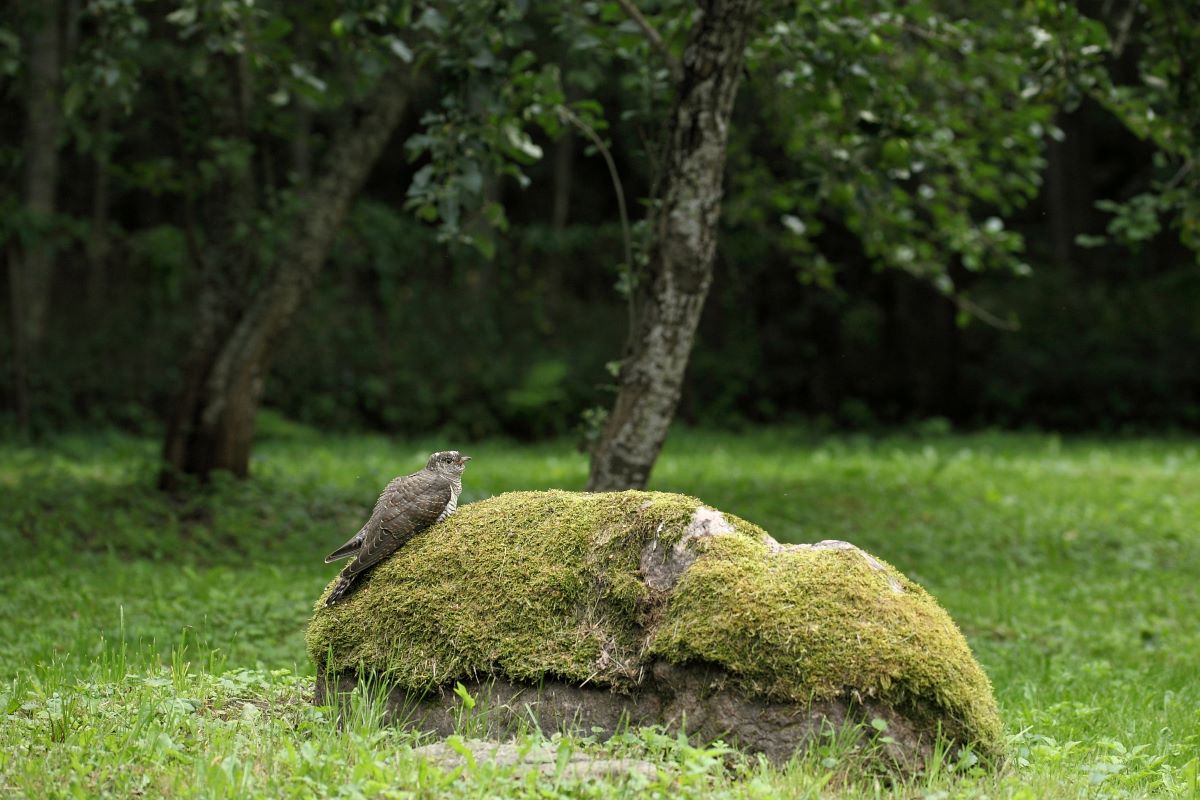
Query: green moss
{"points": [[804, 624], [546, 584], [529, 583]]}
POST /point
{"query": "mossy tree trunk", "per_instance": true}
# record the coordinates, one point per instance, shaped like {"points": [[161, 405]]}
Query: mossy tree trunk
{"points": [[211, 426], [673, 288]]}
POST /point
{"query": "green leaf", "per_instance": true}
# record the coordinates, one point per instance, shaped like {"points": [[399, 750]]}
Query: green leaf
{"points": [[458, 745], [277, 28], [432, 21], [182, 16], [401, 50], [521, 143], [463, 694]]}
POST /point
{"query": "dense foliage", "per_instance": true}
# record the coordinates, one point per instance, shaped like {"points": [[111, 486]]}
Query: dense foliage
{"points": [[907, 184]]}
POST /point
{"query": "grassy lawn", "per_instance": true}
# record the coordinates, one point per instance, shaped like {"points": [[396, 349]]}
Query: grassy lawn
{"points": [[149, 647]]}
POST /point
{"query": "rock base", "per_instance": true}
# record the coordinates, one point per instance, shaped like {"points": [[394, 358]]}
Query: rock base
{"points": [[693, 698]]}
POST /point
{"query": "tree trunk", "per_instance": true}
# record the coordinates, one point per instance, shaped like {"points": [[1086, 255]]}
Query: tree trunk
{"points": [[20, 349], [681, 254], [98, 242], [212, 423], [302, 144], [564, 163], [1065, 178], [31, 267]]}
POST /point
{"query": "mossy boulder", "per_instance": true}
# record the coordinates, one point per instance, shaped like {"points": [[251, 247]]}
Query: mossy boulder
{"points": [[591, 607]]}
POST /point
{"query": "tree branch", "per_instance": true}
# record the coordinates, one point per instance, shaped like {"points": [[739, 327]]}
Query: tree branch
{"points": [[619, 190], [1123, 28], [962, 303], [656, 41]]}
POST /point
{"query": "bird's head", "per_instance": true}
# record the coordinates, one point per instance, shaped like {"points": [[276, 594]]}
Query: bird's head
{"points": [[447, 462]]}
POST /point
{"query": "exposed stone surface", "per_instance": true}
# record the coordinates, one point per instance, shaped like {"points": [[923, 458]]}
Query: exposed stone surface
{"points": [[542, 759], [662, 564], [592, 610]]}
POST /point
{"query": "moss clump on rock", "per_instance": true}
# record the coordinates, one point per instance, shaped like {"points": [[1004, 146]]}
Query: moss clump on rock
{"points": [[597, 589]]}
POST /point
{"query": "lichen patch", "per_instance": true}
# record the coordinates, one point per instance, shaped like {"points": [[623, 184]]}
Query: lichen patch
{"points": [[662, 564]]}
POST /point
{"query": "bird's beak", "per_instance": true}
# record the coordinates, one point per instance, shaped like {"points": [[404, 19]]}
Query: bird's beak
{"points": [[463, 459]]}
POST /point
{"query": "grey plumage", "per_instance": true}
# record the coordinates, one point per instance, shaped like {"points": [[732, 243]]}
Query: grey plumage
{"points": [[409, 505]]}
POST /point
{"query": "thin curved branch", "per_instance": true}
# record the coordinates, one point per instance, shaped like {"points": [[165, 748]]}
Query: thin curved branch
{"points": [[967, 306], [652, 35], [569, 116]]}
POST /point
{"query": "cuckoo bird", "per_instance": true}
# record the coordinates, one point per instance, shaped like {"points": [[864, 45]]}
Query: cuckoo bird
{"points": [[409, 505]]}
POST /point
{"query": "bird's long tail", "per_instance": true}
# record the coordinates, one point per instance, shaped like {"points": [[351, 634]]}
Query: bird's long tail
{"points": [[343, 587], [348, 549]]}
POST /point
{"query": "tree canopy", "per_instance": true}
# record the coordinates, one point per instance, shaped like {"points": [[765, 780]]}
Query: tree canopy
{"points": [[415, 215]]}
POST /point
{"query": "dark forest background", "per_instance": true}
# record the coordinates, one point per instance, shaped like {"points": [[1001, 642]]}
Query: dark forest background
{"points": [[405, 332]]}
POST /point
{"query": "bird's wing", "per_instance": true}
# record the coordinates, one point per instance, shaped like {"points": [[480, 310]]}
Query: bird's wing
{"points": [[382, 505], [408, 506]]}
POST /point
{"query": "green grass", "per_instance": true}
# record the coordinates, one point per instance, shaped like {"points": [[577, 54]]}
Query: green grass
{"points": [[153, 647]]}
